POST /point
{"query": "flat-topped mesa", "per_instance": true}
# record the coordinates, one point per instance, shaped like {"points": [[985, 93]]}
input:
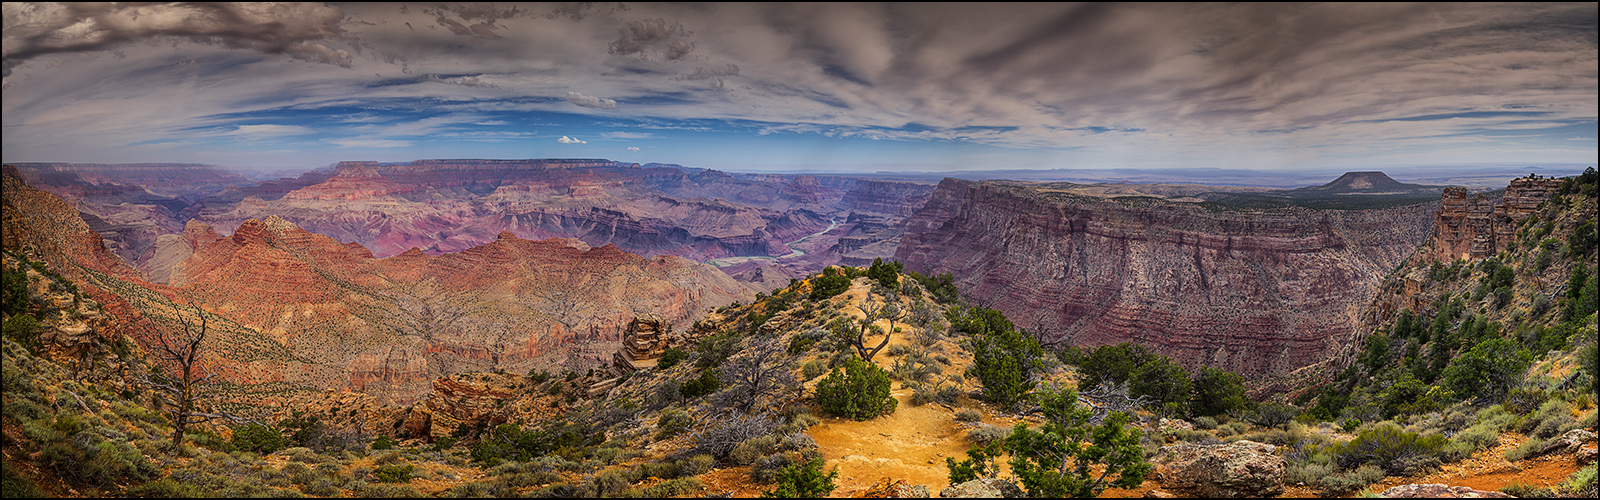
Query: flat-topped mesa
{"points": [[1474, 226]]}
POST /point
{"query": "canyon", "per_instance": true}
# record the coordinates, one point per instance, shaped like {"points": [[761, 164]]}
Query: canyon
{"points": [[291, 309], [381, 277], [769, 227]]}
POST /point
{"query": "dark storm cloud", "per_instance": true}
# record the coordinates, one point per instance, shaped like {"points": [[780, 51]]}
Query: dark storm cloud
{"points": [[295, 30], [638, 36]]}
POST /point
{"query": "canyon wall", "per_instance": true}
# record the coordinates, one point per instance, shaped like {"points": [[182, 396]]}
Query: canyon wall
{"points": [[1259, 293]]}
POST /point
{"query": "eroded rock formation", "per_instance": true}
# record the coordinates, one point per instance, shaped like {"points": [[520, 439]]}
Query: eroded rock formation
{"points": [[1474, 226]]}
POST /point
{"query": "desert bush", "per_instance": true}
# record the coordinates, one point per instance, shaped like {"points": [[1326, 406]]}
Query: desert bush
{"points": [[380, 490], [985, 434], [299, 473], [1397, 452], [610, 482], [1528, 447], [1580, 483], [1273, 415], [826, 286], [1039, 458], [968, 415], [672, 423], [673, 487], [1205, 423], [752, 449], [813, 369], [258, 438], [860, 391], [1346, 482], [1553, 418], [697, 465], [384, 443], [1519, 489], [482, 489], [1306, 473], [722, 434], [394, 473], [1273, 436]]}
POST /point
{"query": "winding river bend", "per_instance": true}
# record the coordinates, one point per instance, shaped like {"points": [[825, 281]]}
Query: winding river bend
{"points": [[793, 251]]}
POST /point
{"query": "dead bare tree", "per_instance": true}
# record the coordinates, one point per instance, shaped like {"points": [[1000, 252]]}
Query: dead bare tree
{"points": [[761, 373], [179, 350], [856, 334]]}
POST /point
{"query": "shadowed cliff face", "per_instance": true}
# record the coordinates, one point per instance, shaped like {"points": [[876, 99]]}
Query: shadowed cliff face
{"points": [[1257, 293]]}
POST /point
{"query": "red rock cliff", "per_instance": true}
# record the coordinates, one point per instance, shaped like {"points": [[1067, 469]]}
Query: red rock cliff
{"points": [[1257, 293], [1475, 226]]}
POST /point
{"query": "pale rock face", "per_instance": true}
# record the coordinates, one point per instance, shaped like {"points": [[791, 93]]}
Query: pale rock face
{"points": [[1255, 293], [1233, 470]]}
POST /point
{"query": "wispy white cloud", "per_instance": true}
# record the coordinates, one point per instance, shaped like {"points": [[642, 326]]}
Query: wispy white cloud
{"points": [[633, 148], [627, 135], [570, 140]]}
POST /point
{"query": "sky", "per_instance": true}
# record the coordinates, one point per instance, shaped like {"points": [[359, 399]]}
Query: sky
{"points": [[806, 87]]}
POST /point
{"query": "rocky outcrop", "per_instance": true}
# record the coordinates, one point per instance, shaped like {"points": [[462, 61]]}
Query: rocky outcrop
{"points": [[891, 488], [984, 488], [1570, 442], [472, 399], [1476, 226], [1438, 491], [1233, 470], [1256, 292]]}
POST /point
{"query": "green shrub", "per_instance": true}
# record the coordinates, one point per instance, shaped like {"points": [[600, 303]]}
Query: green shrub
{"points": [[1344, 483], [1519, 489], [697, 465], [1205, 423], [1580, 483], [671, 357], [384, 443], [394, 473], [813, 369], [804, 481], [827, 286], [1397, 452], [673, 487], [1528, 447], [860, 391], [1273, 415], [748, 451], [258, 438], [1005, 362], [968, 415], [707, 383], [1040, 458], [380, 490], [1216, 392]]}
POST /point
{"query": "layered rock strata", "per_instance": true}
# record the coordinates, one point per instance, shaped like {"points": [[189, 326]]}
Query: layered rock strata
{"points": [[1474, 226], [1258, 293]]}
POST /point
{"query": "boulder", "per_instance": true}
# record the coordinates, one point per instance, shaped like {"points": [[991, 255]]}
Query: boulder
{"points": [[890, 488], [1231, 470], [1570, 442], [984, 488], [1438, 491]]}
